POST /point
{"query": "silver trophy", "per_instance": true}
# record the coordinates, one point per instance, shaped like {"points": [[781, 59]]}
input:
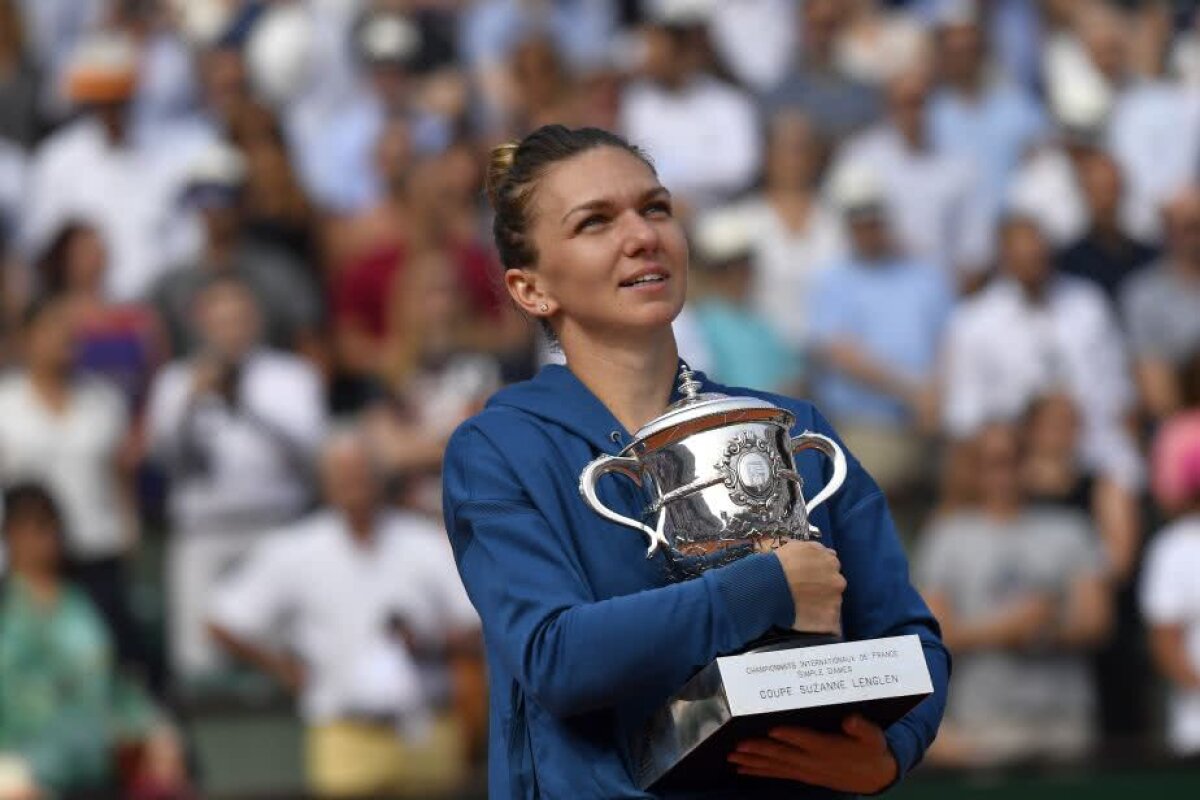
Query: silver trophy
{"points": [[722, 477]]}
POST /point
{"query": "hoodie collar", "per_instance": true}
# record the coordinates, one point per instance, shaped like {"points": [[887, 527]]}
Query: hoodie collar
{"points": [[555, 394]]}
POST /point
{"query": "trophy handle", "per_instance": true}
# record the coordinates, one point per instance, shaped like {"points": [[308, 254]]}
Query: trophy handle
{"points": [[631, 468], [816, 441]]}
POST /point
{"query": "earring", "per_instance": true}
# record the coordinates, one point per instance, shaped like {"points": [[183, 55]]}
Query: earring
{"points": [[543, 308]]}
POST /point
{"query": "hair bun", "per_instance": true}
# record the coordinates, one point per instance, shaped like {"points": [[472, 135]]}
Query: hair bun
{"points": [[499, 165]]}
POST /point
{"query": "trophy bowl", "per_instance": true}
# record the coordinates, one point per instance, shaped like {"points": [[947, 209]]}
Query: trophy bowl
{"points": [[721, 472]]}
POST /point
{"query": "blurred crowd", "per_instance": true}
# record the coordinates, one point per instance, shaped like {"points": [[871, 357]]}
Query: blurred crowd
{"points": [[248, 291]]}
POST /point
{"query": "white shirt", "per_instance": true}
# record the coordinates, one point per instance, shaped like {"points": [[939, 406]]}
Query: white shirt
{"points": [[13, 169], [937, 205], [703, 138], [252, 453], [755, 38], [1003, 351], [1154, 134], [340, 595], [1046, 188], [1170, 595], [786, 263], [131, 194], [73, 454]]}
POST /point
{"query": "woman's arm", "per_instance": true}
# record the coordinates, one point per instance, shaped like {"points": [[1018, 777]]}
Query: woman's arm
{"points": [[1118, 520], [1088, 617], [1170, 656], [569, 651]]}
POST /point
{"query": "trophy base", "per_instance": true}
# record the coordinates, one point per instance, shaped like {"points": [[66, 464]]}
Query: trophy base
{"points": [[685, 745]]}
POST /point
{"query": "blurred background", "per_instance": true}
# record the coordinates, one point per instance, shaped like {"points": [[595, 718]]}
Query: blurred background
{"points": [[248, 290]]}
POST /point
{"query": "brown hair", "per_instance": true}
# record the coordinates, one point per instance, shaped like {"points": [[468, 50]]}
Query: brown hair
{"points": [[514, 170]]}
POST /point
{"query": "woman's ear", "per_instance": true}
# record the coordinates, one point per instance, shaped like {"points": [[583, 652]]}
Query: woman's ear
{"points": [[525, 288]]}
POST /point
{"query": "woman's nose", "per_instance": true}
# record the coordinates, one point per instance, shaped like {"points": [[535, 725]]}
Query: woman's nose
{"points": [[638, 235]]}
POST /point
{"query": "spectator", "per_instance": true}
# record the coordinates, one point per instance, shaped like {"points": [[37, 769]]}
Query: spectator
{"points": [[276, 208], [1054, 478], [1154, 134], [100, 169], [1168, 591], [1020, 595], [1053, 475], [421, 217], [976, 112], [945, 222], [64, 708], [542, 88], [877, 44], [1046, 187], [334, 145], [1032, 332], [237, 457], [121, 342], [20, 121], [54, 29], [71, 433], [682, 115], [434, 374], [1173, 440], [373, 593], [816, 85], [490, 29], [755, 39], [1161, 309], [876, 321], [1107, 254], [745, 350], [794, 233], [281, 285]]}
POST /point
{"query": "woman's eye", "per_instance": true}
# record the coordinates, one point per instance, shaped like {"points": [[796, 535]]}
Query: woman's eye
{"points": [[661, 209], [594, 221]]}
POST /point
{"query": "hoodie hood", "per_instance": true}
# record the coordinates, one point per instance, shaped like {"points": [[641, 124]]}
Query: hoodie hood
{"points": [[556, 395]]}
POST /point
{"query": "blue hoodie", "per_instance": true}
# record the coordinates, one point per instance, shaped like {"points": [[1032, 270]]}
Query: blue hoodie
{"points": [[586, 637]]}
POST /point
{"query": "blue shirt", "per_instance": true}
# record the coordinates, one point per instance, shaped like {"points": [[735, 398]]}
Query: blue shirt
{"points": [[993, 130], [585, 636], [894, 311], [745, 350]]}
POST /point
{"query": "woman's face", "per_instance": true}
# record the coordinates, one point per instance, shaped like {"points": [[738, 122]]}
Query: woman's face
{"points": [[51, 338], [793, 157], [33, 543], [611, 257], [86, 260]]}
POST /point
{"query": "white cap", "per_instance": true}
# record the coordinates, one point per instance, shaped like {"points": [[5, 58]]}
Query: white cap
{"points": [[722, 235], [854, 187], [1080, 101], [279, 53], [388, 36], [219, 164], [680, 12], [202, 22]]}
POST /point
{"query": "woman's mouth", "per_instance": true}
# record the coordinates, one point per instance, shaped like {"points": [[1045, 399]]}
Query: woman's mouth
{"points": [[645, 279]]}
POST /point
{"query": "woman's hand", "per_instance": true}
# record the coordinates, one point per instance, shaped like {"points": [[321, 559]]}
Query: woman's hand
{"points": [[857, 760], [814, 575]]}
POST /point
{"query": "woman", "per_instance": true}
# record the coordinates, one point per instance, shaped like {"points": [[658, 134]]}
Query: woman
{"points": [[72, 433], [1023, 598], [796, 236], [585, 638], [122, 343], [65, 712]]}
